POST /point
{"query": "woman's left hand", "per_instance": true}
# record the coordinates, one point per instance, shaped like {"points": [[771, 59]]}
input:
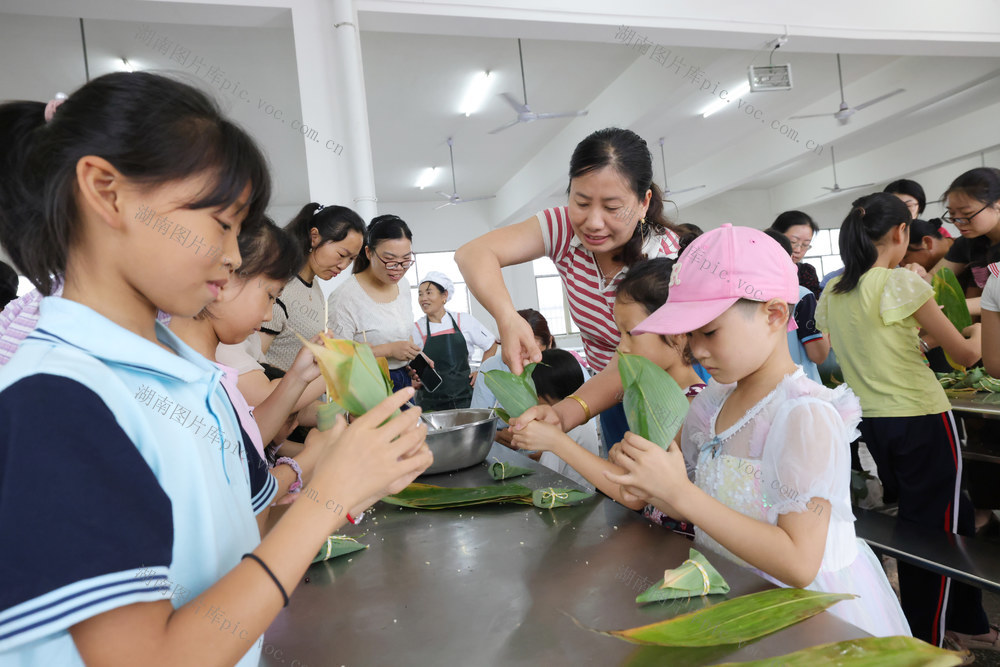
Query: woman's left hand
{"points": [[472, 378]]}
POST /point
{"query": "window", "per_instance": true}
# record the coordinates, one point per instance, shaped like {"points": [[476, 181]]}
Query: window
{"points": [[824, 254], [552, 301], [444, 262]]}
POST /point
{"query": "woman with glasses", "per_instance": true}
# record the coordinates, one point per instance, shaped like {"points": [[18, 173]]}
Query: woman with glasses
{"points": [[331, 237], [799, 228], [910, 193], [973, 201], [373, 305]]}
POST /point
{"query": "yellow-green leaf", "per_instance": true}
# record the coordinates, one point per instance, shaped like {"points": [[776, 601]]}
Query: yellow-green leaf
{"points": [[655, 406], [870, 652], [738, 620], [354, 378]]}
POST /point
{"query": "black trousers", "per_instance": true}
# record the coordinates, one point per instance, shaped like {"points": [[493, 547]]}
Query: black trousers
{"points": [[919, 461]]}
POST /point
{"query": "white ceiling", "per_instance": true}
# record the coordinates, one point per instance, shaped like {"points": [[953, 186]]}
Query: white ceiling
{"points": [[417, 58]]}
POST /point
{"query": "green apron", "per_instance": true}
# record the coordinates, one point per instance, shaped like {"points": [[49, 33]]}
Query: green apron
{"points": [[451, 361]]}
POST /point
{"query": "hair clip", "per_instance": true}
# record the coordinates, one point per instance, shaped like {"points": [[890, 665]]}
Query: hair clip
{"points": [[320, 208], [52, 105]]}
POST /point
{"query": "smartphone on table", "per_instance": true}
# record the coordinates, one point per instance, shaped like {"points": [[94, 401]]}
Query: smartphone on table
{"points": [[428, 376]]}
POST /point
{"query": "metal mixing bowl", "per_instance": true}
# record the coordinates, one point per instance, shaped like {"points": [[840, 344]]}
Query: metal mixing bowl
{"points": [[459, 438]]}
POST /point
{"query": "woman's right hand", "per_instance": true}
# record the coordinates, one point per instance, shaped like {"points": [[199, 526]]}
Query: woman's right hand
{"points": [[404, 350], [517, 343], [365, 461]]}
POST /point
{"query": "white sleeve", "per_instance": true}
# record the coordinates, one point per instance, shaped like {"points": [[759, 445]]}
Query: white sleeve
{"points": [[807, 455], [991, 295], [417, 335], [475, 332], [342, 323]]}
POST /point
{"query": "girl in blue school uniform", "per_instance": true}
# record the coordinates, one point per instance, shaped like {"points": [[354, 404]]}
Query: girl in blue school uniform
{"points": [[126, 518]]}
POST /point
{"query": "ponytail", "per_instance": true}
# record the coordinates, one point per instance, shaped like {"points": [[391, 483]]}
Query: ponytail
{"points": [[152, 129], [333, 223], [870, 220], [655, 223]]}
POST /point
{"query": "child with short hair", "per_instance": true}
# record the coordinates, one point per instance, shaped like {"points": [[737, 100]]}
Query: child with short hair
{"points": [[768, 446], [134, 191], [872, 313], [558, 376], [640, 292]]}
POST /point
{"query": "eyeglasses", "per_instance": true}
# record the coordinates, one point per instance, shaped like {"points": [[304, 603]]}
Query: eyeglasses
{"points": [[947, 217], [800, 245], [389, 266]]}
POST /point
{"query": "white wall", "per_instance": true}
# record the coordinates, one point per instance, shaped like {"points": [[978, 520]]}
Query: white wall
{"points": [[448, 228]]}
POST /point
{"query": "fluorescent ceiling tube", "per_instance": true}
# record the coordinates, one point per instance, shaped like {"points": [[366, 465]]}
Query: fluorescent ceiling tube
{"points": [[476, 92], [427, 177], [737, 92]]}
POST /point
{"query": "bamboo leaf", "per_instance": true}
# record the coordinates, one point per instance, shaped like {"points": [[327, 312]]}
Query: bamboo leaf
{"points": [[655, 406], [549, 498], [948, 293], [430, 497], [500, 471], [355, 381], [870, 651], [516, 393], [738, 620], [338, 545], [694, 578]]}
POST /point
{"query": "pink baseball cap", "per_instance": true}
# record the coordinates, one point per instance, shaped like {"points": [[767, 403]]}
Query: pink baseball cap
{"points": [[719, 268]]}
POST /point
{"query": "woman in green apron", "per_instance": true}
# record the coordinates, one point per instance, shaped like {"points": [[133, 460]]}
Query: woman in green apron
{"points": [[448, 339]]}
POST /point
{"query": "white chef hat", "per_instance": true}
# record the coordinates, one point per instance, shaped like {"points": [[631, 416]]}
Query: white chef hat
{"points": [[441, 281]]}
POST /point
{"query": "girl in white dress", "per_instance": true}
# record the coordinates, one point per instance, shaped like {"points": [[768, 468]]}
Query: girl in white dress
{"points": [[769, 448]]}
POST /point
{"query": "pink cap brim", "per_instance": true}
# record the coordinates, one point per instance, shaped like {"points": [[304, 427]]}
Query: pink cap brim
{"points": [[683, 317]]}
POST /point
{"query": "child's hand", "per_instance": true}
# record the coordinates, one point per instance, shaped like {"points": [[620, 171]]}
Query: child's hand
{"points": [[537, 436], [540, 412], [305, 367], [364, 461], [650, 472]]}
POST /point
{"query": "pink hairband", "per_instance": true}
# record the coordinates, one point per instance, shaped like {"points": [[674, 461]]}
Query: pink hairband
{"points": [[52, 105]]}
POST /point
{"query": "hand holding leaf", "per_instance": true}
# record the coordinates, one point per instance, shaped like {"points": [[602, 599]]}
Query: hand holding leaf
{"points": [[654, 405], [516, 393]]}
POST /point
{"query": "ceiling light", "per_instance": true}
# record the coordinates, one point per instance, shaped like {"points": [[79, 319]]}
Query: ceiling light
{"points": [[427, 177], [125, 66], [739, 91], [476, 92]]}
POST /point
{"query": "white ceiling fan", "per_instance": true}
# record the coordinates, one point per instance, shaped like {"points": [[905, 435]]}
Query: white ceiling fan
{"points": [[666, 188], [836, 187], [523, 111], [454, 197], [846, 111]]}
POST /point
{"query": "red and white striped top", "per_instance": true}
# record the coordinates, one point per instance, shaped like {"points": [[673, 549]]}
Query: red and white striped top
{"points": [[591, 301]]}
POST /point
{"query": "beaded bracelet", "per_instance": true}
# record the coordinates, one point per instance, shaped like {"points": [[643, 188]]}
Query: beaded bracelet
{"points": [[295, 486]]}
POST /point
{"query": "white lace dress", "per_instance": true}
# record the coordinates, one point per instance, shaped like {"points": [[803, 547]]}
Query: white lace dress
{"points": [[791, 447]]}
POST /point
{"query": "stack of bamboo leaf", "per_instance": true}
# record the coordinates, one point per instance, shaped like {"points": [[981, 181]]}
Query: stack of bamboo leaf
{"points": [[430, 497], [959, 383]]}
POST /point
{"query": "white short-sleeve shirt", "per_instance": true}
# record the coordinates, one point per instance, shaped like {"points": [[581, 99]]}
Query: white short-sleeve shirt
{"points": [[476, 335], [356, 316]]}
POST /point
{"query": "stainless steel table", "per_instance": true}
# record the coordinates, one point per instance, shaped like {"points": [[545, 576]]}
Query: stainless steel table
{"points": [[496, 585], [982, 443]]}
